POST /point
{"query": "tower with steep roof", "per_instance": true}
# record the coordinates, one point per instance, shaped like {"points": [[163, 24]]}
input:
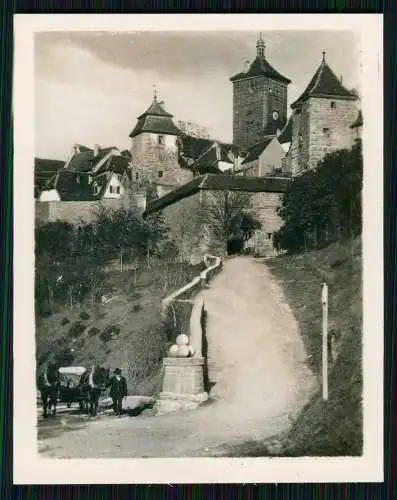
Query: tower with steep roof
{"points": [[321, 119], [259, 100], [154, 149]]}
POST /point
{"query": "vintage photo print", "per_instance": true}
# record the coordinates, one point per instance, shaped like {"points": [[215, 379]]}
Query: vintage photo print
{"points": [[198, 248]]}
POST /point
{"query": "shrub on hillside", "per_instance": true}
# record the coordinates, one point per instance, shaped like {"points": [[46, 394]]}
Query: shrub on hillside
{"points": [[84, 316], [92, 332], [76, 329], [324, 204], [65, 321], [109, 332]]}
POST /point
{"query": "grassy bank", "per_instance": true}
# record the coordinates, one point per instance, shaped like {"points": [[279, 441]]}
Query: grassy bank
{"points": [[126, 330], [333, 428]]}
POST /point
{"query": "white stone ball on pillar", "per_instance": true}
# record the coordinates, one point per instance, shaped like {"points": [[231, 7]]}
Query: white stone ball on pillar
{"points": [[182, 339], [173, 351], [183, 351]]}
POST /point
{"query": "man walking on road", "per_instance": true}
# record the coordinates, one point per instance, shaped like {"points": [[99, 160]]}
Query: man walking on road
{"points": [[118, 390]]}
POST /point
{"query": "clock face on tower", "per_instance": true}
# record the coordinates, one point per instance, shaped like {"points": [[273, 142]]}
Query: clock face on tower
{"points": [[275, 115]]}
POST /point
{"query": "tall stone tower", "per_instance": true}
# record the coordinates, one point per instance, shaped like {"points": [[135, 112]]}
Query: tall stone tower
{"points": [[321, 119], [259, 100], [154, 149]]}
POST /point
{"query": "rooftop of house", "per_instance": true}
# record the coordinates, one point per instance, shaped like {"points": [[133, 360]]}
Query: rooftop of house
{"points": [[358, 122], [203, 155], [257, 149], [44, 171], [155, 119], [87, 160], [324, 84], [212, 182], [260, 66]]}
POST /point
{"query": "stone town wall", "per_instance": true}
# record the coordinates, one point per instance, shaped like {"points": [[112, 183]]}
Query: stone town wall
{"points": [[185, 219], [76, 212], [264, 206]]}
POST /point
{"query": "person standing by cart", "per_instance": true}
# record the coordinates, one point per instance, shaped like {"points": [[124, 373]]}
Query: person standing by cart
{"points": [[118, 390]]}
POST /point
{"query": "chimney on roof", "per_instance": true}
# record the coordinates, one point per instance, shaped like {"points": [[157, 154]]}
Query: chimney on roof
{"points": [[96, 149], [162, 103], [76, 148]]}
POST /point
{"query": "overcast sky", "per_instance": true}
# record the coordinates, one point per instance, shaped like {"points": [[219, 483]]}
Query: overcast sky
{"points": [[91, 86]]}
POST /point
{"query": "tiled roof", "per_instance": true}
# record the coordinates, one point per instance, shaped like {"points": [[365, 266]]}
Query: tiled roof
{"points": [[256, 150], [324, 84], [358, 122], [211, 182], [155, 119], [260, 66], [45, 171], [204, 153], [68, 188], [81, 162]]}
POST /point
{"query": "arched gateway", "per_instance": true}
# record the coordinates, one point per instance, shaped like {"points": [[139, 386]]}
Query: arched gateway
{"points": [[198, 211]]}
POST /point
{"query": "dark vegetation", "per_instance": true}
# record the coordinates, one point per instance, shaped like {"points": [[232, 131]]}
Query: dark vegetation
{"points": [[323, 205], [98, 294]]}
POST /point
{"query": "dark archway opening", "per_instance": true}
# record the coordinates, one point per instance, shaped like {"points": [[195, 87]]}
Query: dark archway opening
{"points": [[235, 245]]}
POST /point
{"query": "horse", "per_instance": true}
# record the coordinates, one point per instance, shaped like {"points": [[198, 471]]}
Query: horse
{"points": [[48, 385], [92, 383]]}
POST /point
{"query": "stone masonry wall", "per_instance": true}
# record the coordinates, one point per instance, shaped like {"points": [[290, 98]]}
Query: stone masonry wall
{"points": [[77, 211], [323, 129], [155, 162], [329, 127], [254, 101], [187, 227]]}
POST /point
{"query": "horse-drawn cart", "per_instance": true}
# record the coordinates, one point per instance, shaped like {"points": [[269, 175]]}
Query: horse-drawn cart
{"points": [[69, 379]]}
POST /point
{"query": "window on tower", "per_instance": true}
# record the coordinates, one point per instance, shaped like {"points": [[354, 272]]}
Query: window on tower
{"points": [[333, 104], [161, 139]]}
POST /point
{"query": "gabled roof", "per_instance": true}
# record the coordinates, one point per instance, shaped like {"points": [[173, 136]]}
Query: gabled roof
{"points": [[222, 182], [324, 84], [260, 66], [155, 119], [257, 149], [358, 122]]}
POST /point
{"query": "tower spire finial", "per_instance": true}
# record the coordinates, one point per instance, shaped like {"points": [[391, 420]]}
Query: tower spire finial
{"points": [[260, 46], [323, 55], [155, 92]]}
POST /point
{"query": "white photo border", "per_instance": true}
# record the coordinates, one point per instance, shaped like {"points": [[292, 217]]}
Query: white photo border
{"points": [[29, 467]]}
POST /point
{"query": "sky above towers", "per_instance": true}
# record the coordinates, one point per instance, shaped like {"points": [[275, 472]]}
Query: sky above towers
{"points": [[91, 86]]}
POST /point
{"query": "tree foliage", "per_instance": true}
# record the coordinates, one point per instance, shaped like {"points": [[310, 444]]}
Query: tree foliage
{"points": [[324, 204], [70, 260]]}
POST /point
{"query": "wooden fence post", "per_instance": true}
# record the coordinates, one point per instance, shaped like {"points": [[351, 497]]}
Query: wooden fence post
{"points": [[324, 303]]}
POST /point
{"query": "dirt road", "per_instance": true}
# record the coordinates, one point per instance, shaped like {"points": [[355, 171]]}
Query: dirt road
{"points": [[256, 366]]}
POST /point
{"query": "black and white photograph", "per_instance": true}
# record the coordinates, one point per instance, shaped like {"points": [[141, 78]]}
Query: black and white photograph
{"points": [[198, 248]]}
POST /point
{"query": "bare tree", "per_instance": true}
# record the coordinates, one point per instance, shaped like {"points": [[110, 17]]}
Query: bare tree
{"points": [[221, 213]]}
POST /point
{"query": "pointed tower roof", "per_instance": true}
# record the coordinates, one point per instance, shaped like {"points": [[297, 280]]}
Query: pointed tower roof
{"points": [[324, 84], [260, 66], [155, 119]]}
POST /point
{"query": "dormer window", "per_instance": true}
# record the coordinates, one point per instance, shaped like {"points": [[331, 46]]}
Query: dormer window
{"points": [[96, 188], [77, 179], [161, 140]]}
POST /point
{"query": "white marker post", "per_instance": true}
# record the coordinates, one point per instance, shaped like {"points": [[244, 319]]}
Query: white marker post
{"points": [[324, 303]]}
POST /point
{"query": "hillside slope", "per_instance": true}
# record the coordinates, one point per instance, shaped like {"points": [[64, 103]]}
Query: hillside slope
{"points": [[335, 427], [125, 331]]}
